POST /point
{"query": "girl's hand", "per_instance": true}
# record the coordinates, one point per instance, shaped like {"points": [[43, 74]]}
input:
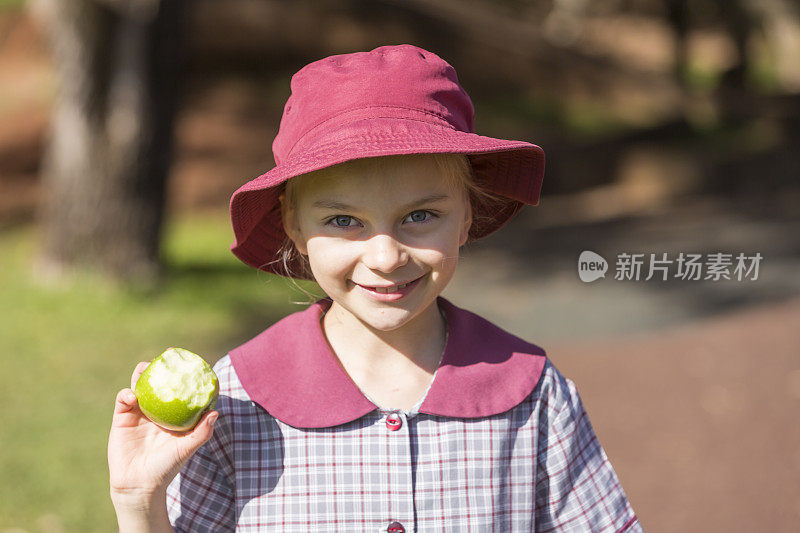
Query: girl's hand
{"points": [[142, 457]]}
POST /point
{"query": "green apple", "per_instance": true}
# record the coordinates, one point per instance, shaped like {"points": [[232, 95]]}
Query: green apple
{"points": [[176, 389]]}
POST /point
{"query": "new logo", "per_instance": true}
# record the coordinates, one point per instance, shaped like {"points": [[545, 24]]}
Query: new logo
{"points": [[591, 266]]}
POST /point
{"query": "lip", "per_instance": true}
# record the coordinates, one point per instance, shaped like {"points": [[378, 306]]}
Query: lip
{"points": [[389, 296]]}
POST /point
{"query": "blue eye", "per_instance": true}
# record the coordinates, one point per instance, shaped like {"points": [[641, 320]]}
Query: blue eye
{"points": [[420, 216], [342, 221]]}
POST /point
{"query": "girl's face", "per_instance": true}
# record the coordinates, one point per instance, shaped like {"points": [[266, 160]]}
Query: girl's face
{"points": [[382, 245]]}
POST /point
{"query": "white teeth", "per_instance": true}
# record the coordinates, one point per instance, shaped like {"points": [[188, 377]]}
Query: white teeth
{"points": [[393, 288]]}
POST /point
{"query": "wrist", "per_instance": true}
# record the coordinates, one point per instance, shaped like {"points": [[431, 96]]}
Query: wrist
{"points": [[137, 499], [141, 510]]}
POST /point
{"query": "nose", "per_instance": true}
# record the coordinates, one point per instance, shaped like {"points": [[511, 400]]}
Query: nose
{"points": [[384, 253]]}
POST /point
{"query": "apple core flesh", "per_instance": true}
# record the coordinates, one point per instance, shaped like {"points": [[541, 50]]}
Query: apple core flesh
{"points": [[176, 389]]}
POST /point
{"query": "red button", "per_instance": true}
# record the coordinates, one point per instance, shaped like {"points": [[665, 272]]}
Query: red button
{"points": [[396, 527], [393, 422]]}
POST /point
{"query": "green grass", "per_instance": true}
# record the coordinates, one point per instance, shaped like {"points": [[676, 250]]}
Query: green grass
{"points": [[11, 4], [65, 354]]}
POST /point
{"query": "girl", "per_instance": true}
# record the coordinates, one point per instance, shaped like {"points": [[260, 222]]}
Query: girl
{"points": [[383, 407]]}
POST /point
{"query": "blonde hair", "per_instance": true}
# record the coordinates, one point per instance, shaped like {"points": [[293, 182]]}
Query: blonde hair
{"points": [[455, 168]]}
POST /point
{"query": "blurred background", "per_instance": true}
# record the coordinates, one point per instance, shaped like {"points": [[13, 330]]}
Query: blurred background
{"points": [[669, 126]]}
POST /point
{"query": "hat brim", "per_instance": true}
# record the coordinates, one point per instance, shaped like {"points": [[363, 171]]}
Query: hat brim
{"points": [[512, 170]]}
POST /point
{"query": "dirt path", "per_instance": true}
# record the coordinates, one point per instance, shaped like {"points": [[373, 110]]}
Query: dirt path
{"points": [[701, 422]]}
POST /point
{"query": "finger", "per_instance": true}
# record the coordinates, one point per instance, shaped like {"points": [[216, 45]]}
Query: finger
{"points": [[205, 428], [138, 372], [201, 432], [125, 401]]}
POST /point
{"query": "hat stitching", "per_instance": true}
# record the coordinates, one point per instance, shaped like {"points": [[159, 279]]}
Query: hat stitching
{"points": [[323, 148], [432, 113]]}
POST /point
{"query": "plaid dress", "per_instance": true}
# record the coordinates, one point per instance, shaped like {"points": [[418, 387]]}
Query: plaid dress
{"points": [[500, 442]]}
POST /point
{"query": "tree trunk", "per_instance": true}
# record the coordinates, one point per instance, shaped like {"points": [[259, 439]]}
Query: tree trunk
{"points": [[112, 136], [678, 16]]}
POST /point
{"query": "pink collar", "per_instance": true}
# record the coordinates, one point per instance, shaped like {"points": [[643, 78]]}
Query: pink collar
{"points": [[290, 370]]}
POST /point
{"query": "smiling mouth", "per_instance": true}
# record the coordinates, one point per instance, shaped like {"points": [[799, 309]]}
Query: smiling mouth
{"points": [[390, 288]]}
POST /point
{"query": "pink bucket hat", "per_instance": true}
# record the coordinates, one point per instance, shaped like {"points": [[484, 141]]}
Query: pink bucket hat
{"points": [[389, 101]]}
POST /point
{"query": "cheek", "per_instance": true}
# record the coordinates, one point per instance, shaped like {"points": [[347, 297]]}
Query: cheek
{"points": [[329, 257], [448, 240], [441, 253]]}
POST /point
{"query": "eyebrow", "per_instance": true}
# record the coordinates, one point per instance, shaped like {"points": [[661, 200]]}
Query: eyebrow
{"points": [[341, 206]]}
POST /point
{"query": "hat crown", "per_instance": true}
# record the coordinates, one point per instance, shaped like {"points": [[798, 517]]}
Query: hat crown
{"points": [[383, 82]]}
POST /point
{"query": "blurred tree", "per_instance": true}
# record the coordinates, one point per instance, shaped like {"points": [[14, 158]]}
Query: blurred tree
{"points": [[741, 21], [678, 16], [105, 172]]}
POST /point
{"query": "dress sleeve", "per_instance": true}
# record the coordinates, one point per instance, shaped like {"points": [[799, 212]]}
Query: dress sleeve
{"points": [[576, 486]]}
